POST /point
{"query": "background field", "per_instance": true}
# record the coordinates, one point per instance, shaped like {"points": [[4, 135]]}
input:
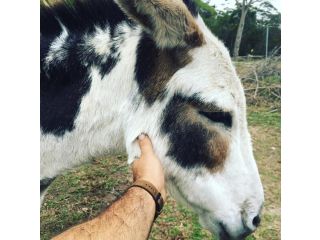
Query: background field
{"points": [[82, 193]]}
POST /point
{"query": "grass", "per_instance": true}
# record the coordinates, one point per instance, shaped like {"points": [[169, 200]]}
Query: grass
{"points": [[267, 151], [260, 116]]}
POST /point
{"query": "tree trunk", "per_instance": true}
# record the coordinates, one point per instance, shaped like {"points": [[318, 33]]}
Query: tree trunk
{"points": [[237, 42]]}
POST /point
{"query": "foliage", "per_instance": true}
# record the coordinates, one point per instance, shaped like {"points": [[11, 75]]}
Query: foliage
{"points": [[224, 25], [205, 8], [207, 13]]}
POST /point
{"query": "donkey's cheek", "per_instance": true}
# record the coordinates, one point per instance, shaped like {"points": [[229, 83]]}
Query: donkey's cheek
{"points": [[193, 142], [192, 145]]}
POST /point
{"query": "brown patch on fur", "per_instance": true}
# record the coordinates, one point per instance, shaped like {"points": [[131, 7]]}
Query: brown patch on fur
{"points": [[155, 67], [169, 22], [219, 147], [194, 140], [167, 63]]}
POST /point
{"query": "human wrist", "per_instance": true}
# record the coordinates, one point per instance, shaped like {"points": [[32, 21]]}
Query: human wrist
{"points": [[156, 183], [142, 194], [153, 192]]}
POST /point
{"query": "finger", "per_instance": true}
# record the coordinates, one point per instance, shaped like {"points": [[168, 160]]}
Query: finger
{"points": [[145, 144]]}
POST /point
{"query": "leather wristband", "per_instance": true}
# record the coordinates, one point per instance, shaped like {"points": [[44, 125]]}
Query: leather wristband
{"points": [[152, 190]]}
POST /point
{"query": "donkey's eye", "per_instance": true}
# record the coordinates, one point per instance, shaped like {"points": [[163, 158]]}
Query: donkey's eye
{"points": [[218, 117]]}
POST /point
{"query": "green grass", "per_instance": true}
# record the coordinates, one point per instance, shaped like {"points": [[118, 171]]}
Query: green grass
{"points": [[263, 117], [188, 227], [275, 79]]}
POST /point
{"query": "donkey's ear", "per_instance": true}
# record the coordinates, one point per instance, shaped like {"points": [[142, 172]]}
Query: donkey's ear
{"points": [[168, 21]]}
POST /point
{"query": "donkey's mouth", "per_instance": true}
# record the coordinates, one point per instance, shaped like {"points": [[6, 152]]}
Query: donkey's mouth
{"points": [[225, 235]]}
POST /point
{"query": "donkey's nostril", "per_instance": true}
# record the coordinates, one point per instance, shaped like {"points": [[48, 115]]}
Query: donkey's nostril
{"points": [[256, 221]]}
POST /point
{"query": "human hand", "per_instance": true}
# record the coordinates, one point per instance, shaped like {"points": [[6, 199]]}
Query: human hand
{"points": [[148, 166]]}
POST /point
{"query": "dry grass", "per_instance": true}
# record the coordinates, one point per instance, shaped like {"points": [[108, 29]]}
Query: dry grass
{"points": [[267, 151], [262, 82]]}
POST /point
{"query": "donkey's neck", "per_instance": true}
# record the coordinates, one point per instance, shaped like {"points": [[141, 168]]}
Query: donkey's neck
{"points": [[112, 94], [99, 125]]}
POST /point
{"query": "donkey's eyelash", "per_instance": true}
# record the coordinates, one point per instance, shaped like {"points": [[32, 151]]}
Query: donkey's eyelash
{"points": [[218, 117]]}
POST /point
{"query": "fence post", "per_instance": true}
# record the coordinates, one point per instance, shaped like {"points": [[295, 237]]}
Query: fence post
{"points": [[267, 41]]}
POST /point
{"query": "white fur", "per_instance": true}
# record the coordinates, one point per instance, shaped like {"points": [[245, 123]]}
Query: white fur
{"points": [[99, 124], [56, 52], [110, 120], [100, 41]]}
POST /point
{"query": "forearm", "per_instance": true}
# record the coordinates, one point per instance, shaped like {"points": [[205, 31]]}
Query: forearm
{"points": [[130, 217]]}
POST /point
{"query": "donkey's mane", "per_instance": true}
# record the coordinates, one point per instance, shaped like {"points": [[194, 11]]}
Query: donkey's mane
{"points": [[80, 15]]}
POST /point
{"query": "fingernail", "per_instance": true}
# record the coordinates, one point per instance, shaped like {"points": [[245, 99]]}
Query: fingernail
{"points": [[142, 136]]}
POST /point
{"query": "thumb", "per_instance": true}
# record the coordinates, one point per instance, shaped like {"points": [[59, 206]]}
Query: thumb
{"points": [[145, 144]]}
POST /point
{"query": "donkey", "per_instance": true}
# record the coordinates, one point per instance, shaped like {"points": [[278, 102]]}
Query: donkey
{"points": [[112, 69]]}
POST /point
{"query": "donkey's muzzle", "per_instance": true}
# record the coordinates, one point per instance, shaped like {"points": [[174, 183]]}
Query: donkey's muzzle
{"points": [[225, 235]]}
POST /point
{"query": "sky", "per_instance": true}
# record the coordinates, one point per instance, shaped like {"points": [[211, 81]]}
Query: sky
{"points": [[221, 4]]}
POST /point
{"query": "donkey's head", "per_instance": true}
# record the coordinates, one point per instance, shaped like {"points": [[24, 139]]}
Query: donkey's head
{"points": [[191, 103]]}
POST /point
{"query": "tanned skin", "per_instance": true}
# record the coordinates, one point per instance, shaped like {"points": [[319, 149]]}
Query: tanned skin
{"points": [[131, 216]]}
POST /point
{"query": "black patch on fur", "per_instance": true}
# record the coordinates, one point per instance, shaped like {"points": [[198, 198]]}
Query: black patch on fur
{"points": [[147, 53], [192, 7], [65, 80], [111, 62], [154, 67], [81, 16], [219, 117], [188, 139], [45, 43], [45, 183], [63, 84], [49, 24]]}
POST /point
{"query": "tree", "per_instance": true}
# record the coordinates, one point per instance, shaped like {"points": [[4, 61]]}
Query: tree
{"points": [[244, 6], [266, 8], [207, 12], [224, 24]]}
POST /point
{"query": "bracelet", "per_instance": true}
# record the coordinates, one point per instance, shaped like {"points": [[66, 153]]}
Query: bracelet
{"points": [[152, 190]]}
